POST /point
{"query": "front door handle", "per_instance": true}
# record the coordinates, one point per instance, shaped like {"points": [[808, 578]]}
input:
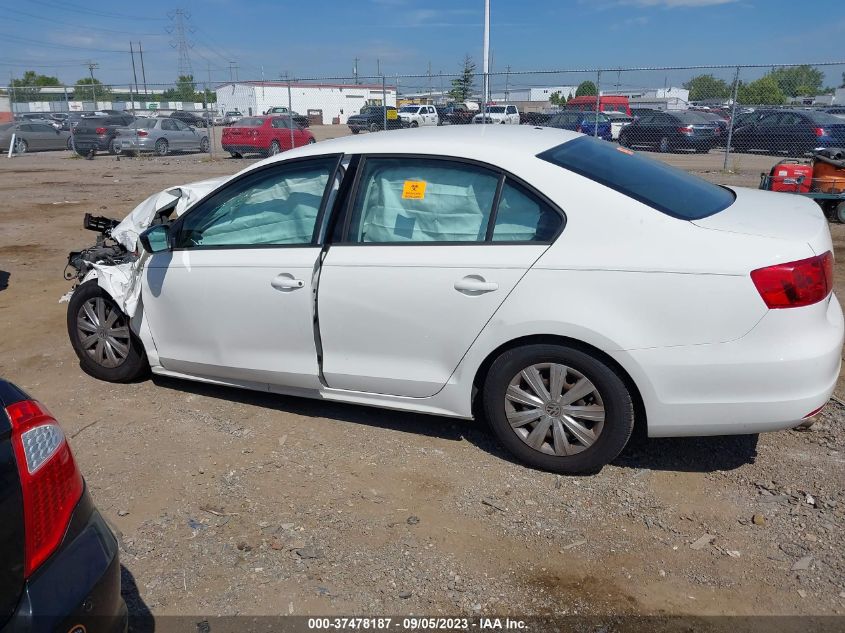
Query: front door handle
{"points": [[286, 281], [475, 285]]}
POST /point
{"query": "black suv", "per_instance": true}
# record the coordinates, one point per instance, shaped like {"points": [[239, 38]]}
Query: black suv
{"points": [[97, 133], [60, 569], [189, 118], [372, 118]]}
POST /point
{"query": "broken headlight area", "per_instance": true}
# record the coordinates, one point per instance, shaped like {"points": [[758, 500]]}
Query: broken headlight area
{"points": [[106, 251]]}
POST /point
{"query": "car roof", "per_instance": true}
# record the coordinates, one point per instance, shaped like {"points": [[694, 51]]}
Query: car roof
{"points": [[478, 142]]}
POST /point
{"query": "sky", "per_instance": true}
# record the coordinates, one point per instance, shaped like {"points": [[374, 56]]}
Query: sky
{"points": [[268, 38]]}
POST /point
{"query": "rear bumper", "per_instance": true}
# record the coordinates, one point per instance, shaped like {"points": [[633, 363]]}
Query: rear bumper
{"points": [[78, 585], [85, 144], [768, 380], [243, 149]]}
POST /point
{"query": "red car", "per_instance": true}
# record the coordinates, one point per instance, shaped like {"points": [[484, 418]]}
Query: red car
{"points": [[267, 135]]}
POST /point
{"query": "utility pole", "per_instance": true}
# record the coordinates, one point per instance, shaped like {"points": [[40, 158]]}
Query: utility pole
{"points": [[91, 67], [134, 74], [378, 67], [429, 81], [507, 83], [143, 72], [355, 71], [486, 61], [233, 71]]}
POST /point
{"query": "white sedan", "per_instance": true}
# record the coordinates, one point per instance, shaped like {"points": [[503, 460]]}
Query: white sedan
{"points": [[569, 286]]}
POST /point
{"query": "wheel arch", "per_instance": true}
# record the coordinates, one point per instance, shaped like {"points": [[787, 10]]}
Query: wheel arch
{"points": [[640, 418]]}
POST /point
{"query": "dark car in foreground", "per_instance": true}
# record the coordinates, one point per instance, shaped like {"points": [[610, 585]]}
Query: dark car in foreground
{"points": [[373, 118], [97, 133], [795, 132], [672, 131], [60, 568]]}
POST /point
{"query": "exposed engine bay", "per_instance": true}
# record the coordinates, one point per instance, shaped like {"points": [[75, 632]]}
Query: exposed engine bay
{"points": [[106, 251]]}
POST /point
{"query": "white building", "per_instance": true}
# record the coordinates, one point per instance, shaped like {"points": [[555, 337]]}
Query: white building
{"points": [[655, 98], [532, 94], [334, 102]]}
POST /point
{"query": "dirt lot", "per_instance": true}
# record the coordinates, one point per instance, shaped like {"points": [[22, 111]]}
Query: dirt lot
{"points": [[231, 502]]}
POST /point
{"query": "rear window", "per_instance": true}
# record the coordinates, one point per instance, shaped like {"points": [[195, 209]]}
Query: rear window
{"points": [[667, 189], [822, 117], [691, 116], [250, 121], [496, 109]]}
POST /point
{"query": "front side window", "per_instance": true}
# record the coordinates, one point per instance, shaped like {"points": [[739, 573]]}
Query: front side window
{"points": [[406, 200], [277, 206]]}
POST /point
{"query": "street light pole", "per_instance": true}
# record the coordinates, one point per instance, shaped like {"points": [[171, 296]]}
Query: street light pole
{"points": [[486, 62]]}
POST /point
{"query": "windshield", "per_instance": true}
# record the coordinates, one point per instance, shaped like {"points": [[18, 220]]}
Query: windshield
{"points": [[233, 113], [660, 186], [496, 109], [409, 109]]}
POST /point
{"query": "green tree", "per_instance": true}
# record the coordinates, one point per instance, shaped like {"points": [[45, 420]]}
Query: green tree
{"points": [[27, 88], [799, 80], [557, 99], [764, 91], [707, 87], [586, 89], [462, 86], [88, 88]]}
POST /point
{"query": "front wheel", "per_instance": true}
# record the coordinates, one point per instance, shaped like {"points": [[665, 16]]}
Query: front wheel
{"points": [[70, 143], [374, 127], [21, 146], [100, 335], [414, 124], [663, 146], [558, 408], [311, 140], [839, 212], [235, 155]]}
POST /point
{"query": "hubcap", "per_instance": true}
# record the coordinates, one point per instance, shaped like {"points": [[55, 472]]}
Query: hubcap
{"points": [[554, 409], [103, 332]]}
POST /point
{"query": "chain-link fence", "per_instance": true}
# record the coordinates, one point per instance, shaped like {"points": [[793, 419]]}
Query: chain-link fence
{"points": [[786, 110]]}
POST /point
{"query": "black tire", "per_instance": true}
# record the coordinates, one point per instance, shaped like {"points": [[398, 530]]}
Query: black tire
{"points": [[70, 143], [114, 147], [664, 146], [623, 140], [312, 140], [274, 149], [839, 212], [132, 367], [374, 127], [162, 147], [21, 146], [414, 124], [205, 145], [617, 402], [235, 154], [354, 130]]}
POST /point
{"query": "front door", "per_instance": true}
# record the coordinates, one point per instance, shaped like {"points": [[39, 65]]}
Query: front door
{"points": [[233, 298], [425, 260]]}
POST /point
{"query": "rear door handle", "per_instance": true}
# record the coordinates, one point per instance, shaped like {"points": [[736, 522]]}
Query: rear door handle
{"points": [[475, 284], [286, 281]]}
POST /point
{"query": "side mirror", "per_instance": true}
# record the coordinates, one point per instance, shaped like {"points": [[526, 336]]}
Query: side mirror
{"points": [[155, 239]]}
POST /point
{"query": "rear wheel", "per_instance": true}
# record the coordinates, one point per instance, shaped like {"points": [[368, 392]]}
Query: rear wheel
{"points": [[275, 148], [204, 145], [558, 408], [623, 140], [374, 127], [839, 212], [114, 146], [70, 143], [235, 155], [21, 146], [162, 147], [311, 140], [354, 130], [100, 335]]}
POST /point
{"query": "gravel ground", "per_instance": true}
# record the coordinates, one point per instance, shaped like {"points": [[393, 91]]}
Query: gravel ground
{"points": [[229, 502]]}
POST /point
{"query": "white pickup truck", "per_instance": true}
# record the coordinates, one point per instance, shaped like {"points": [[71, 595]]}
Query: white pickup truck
{"points": [[418, 115], [505, 114]]}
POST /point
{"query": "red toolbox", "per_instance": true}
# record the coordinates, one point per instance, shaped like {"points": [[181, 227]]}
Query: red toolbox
{"points": [[791, 175]]}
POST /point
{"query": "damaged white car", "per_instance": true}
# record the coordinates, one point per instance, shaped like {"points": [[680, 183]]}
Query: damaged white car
{"points": [[566, 286]]}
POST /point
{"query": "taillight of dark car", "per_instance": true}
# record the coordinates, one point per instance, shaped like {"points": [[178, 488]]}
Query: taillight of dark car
{"points": [[50, 481], [686, 129], [820, 131], [100, 131], [795, 284]]}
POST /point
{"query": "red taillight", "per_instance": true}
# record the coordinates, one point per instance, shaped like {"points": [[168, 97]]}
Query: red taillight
{"points": [[687, 129], [143, 133], [820, 131], [50, 481], [100, 130], [795, 284]]}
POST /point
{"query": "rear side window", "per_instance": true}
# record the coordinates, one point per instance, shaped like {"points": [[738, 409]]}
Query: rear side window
{"points": [[667, 189], [522, 217]]}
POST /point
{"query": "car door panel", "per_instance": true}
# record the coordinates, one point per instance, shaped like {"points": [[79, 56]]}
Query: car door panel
{"points": [[406, 292], [234, 300]]}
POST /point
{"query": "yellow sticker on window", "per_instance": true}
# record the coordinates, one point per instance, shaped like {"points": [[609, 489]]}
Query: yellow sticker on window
{"points": [[413, 190]]}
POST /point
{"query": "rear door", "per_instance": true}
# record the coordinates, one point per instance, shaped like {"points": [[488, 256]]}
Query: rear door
{"points": [[169, 132], [185, 136], [425, 259]]}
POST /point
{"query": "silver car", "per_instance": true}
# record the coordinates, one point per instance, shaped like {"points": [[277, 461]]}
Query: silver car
{"points": [[33, 136], [161, 135]]}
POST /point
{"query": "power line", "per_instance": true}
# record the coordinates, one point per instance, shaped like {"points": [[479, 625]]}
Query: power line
{"points": [[86, 27], [75, 8], [25, 40]]}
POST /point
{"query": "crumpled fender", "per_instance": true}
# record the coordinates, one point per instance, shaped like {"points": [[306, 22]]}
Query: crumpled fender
{"points": [[123, 282]]}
